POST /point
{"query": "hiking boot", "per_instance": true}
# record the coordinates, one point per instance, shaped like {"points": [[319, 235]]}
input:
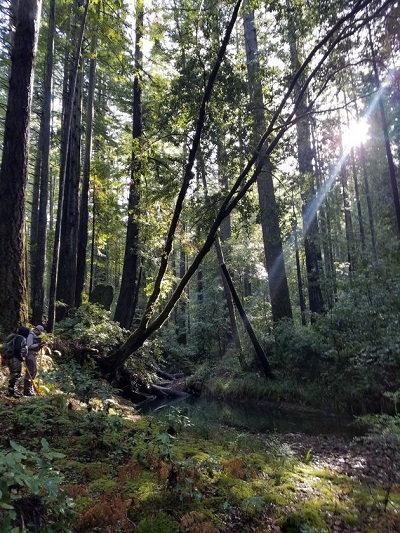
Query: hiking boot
{"points": [[29, 392], [14, 393]]}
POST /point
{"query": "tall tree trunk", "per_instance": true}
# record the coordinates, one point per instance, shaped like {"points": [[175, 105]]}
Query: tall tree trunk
{"points": [[386, 137], [326, 237], [371, 218], [305, 157], [125, 310], [65, 134], [277, 280], [37, 281], [181, 308], [66, 285], [14, 167], [84, 202], [302, 303]]}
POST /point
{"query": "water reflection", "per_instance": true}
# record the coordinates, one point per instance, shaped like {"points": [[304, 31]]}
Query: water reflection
{"points": [[253, 417]]}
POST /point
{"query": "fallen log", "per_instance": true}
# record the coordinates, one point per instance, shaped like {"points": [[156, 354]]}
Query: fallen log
{"points": [[167, 392]]}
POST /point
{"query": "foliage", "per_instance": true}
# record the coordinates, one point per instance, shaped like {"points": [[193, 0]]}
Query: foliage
{"points": [[91, 325], [77, 380], [30, 493], [299, 351]]}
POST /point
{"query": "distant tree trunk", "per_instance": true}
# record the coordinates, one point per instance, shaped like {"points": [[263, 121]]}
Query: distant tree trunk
{"points": [[302, 303], [37, 280], [358, 199], [200, 296], [386, 137], [66, 285], [14, 167], [305, 157], [63, 173], [326, 237], [229, 301], [181, 308], [348, 224], [84, 201], [34, 222], [124, 310], [371, 218], [277, 280]]}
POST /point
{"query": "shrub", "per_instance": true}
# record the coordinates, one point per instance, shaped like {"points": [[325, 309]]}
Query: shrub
{"points": [[91, 325], [299, 351], [30, 492]]}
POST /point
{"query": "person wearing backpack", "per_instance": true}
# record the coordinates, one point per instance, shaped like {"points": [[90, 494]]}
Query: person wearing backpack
{"points": [[34, 343], [14, 351]]}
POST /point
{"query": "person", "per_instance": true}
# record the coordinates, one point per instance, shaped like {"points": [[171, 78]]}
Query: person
{"points": [[14, 359], [34, 343]]}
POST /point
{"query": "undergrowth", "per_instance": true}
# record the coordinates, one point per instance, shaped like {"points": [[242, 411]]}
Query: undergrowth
{"points": [[106, 468]]}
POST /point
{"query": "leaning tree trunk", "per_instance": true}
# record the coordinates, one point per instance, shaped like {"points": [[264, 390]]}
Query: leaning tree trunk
{"points": [[14, 168], [262, 358], [278, 125], [273, 249], [225, 229], [125, 310]]}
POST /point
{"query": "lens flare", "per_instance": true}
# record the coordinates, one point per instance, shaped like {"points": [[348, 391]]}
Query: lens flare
{"points": [[355, 134]]}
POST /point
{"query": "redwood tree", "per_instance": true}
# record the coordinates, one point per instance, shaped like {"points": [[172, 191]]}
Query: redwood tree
{"points": [[14, 167]]}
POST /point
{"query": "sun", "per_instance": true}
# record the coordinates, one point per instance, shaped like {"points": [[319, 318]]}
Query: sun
{"points": [[355, 134]]}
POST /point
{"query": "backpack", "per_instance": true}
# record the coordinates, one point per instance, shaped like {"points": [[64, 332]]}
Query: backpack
{"points": [[12, 348]]}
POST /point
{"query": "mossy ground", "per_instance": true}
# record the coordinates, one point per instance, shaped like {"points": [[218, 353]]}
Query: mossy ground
{"points": [[126, 472]]}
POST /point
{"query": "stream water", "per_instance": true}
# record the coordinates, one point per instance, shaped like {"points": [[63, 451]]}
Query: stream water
{"points": [[253, 417]]}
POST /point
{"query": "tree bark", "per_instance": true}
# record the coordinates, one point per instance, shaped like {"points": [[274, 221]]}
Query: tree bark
{"points": [[386, 136], [125, 310], [14, 168], [306, 171], [63, 172], [273, 249], [84, 201]]}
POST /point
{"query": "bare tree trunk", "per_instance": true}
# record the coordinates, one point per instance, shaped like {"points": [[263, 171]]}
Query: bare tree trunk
{"points": [[273, 249], [63, 172], [229, 302], [66, 284], [386, 137], [305, 157], [14, 167], [371, 218], [37, 283], [125, 310], [84, 202]]}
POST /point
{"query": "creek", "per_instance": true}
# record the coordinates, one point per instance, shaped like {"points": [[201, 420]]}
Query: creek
{"points": [[254, 417]]}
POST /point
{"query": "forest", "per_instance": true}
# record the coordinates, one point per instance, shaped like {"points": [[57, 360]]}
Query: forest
{"points": [[199, 200]]}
